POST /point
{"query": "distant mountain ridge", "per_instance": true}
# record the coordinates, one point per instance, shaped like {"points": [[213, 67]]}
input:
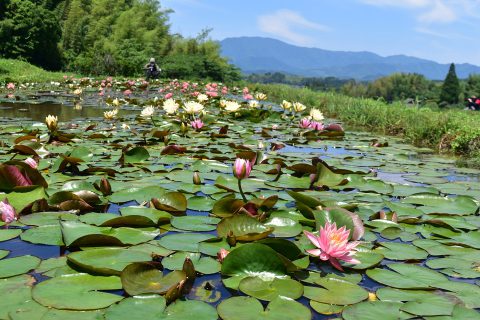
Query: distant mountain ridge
{"points": [[260, 55]]}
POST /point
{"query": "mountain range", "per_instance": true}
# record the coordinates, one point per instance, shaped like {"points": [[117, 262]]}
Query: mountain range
{"points": [[261, 55]]}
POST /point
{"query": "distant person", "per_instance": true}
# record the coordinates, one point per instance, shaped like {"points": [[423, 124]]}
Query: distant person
{"points": [[152, 71]]}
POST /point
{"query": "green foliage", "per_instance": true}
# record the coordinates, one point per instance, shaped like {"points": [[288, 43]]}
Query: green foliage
{"points": [[20, 71], [451, 87], [30, 31], [421, 126], [472, 86], [99, 37]]}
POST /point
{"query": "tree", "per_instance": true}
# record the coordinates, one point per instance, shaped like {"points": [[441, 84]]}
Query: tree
{"points": [[31, 32], [451, 87], [472, 87]]}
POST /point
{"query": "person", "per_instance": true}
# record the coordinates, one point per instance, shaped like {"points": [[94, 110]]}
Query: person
{"points": [[152, 71]]}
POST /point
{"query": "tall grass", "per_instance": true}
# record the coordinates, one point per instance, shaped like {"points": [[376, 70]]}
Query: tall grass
{"points": [[19, 71], [452, 130]]}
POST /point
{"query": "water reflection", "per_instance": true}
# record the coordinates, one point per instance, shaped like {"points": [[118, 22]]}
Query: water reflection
{"points": [[38, 112]]}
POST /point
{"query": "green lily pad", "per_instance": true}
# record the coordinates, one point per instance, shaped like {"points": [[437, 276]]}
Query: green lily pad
{"points": [[407, 276], [247, 308], [370, 310], [243, 227], [77, 292], [48, 235], [401, 251], [184, 241], [336, 291], [106, 261], [205, 265], [7, 234], [18, 265], [271, 289], [154, 307], [144, 277], [195, 223]]}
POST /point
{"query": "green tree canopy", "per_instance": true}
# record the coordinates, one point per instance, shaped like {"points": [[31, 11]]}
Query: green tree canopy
{"points": [[451, 87], [31, 32]]}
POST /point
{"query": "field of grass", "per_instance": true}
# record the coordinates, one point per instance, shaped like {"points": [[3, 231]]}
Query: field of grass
{"points": [[19, 71], [452, 131]]}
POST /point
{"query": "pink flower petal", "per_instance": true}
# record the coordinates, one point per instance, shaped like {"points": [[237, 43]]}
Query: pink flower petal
{"points": [[312, 238]]}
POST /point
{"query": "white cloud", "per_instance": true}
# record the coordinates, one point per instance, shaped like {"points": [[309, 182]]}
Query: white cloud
{"points": [[433, 11], [440, 12], [398, 3], [285, 24]]}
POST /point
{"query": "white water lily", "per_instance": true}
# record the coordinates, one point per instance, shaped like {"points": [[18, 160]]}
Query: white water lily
{"points": [[286, 105], [78, 91], [111, 114], [125, 126], [170, 106], [148, 112], [253, 104], [192, 107], [232, 106], [202, 97], [52, 122], [261, 96], [116, 102], [298, 107], [316, 115], [223, 103]]}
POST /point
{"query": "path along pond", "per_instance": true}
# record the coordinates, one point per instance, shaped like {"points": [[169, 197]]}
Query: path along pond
{"points": [[109, 216]]}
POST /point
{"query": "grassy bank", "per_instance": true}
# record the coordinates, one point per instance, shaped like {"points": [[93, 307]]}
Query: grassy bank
{"points": [[453, 131], [19, 71]]}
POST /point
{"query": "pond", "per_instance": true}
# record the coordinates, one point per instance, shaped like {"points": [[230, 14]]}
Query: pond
{"points": [[137, 214]]}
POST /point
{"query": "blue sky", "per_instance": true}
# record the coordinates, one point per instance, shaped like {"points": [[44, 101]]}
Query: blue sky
{"points": [[441, 30]]}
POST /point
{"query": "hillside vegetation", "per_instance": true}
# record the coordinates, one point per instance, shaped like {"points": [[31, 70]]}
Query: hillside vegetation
{"points": [[98, 37]]}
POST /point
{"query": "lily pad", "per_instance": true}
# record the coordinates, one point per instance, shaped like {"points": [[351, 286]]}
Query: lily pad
{"points": [[77, 292], [247, 308]]}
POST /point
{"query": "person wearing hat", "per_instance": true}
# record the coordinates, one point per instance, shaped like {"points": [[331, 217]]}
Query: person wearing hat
{"points": [[152, 70]]}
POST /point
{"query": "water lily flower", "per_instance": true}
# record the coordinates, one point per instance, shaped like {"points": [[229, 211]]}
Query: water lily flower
{"points": [[31, 162], [316, 115], [333, 245], [196, 178], [298, 107], [78, 91], [169, 95], [253, 104], [127, 92], [305, 123], [286, 105], [170, 106], [147, 112], [317, 126], [7, 211], [242, 168], [116, 102], [125, 126], [247, 96], [192, 107], [111, 114], [223, 103], [232, 106], [10, 86], [197, 124], [222, 254], [52, 122], [202, 97], [261, 96]]}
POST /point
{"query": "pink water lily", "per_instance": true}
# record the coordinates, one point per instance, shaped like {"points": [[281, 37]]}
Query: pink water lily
{"points": [[7, 211], [242, 168], [31, 162], [317, 126], [197, 124], [333, 245], [305, 123]]}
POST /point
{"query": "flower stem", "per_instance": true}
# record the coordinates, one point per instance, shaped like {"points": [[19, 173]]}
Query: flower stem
{"points": [[241, 191]]}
